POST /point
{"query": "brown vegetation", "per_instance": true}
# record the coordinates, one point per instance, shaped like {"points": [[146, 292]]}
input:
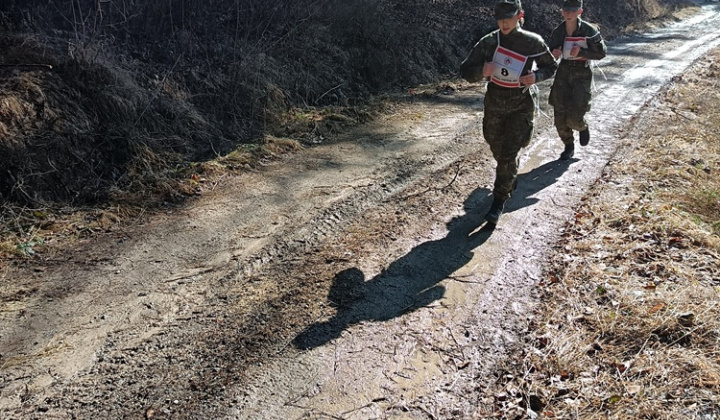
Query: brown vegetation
{"points": [[629, 325], [140, 90]]}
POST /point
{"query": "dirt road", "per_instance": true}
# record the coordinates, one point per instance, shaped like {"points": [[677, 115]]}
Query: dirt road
{"points": [[351, 280]]}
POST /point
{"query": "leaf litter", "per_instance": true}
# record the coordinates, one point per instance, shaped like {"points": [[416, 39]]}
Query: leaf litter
{"points": [[629, 326]]}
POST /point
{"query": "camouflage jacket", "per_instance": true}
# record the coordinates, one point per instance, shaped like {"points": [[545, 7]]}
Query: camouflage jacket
{"points": [[520, 41], [596, 48]]}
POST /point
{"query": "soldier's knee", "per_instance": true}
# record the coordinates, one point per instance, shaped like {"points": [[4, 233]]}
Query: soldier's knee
{"points": [[576, 122]]}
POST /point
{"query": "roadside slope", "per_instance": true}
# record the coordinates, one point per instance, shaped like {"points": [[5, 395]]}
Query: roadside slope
{"points": [[184, 320], [627, 325]]}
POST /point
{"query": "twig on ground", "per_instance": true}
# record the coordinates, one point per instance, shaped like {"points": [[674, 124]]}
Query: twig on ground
{"points": [[190, 273], [427, 190], [58, 260], [215, 184], [460, 280], [370, 404]]}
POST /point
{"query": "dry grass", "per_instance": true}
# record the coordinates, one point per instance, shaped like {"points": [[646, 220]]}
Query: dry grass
{"points": [[629, 326], [26, 231], [247, 155], [122, 122]]}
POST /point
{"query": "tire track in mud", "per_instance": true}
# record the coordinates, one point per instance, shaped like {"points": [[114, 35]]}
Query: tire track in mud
{"points": [[361, 375], [218, 357], [132, 373], [335, 218]]}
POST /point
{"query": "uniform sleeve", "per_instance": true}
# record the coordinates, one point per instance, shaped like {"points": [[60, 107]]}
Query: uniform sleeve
{"points": [[546, 63], [557, 38], [471, 69], [596, 48]]}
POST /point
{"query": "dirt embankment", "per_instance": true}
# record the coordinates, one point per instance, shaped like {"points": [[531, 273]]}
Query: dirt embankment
{"points": [[138, 93]]}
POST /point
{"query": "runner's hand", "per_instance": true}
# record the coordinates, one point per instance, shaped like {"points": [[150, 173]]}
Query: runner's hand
{"points": [[528, 79], [557, 53], [488, 69]]}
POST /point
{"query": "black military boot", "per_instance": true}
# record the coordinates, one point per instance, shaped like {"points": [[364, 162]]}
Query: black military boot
{"points": [[585, 137], [496, 210], [568, 153]]}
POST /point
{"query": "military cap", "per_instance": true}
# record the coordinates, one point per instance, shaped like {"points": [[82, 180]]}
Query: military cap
{"points": [[506, 9], [572, 5]]}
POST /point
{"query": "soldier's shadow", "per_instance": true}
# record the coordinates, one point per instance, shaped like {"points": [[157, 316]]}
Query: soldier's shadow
{"points": [[534, 181], [409, 283], [412, 281]]}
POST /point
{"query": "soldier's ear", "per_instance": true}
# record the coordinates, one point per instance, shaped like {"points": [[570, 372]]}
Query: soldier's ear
{"points": [[521, 14]]}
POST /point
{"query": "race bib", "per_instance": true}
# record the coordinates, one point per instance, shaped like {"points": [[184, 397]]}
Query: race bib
{"points": [[570, 42], [508, 67]]}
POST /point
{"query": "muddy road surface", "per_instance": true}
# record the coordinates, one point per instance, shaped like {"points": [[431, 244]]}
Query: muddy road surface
{"points": [[352, 280]]}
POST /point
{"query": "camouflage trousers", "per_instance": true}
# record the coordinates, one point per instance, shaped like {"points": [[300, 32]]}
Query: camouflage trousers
{"points": [[570, 97], [508, 124]]}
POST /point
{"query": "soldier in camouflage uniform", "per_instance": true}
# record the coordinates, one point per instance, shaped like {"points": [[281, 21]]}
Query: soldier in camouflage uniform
{"points": [[575, 42], [505, 57]]}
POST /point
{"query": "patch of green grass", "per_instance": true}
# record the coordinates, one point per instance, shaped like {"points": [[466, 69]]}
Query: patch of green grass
{"points": [[705, 203]]}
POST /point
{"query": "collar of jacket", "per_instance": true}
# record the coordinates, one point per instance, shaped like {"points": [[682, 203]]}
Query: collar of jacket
{"points": [[581, 23], [511, 35]]}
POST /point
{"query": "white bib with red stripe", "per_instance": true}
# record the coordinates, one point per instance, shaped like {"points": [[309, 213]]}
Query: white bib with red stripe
{"points": [[508, 67], [570, 42]]}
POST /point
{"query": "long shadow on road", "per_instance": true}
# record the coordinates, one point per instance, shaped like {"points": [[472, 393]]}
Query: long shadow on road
{"points": [[409, 283], [534, 181], [412, 281]]}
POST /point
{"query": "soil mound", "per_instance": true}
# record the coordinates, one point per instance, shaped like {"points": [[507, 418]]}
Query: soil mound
{"points": [[102, 101]]}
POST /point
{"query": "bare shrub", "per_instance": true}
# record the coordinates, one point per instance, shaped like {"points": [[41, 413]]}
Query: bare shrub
{"points": [[193, 80]]}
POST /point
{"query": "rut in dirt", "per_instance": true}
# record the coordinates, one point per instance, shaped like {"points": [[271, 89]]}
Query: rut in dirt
{"points": [[408, 267], [432, 360]]}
